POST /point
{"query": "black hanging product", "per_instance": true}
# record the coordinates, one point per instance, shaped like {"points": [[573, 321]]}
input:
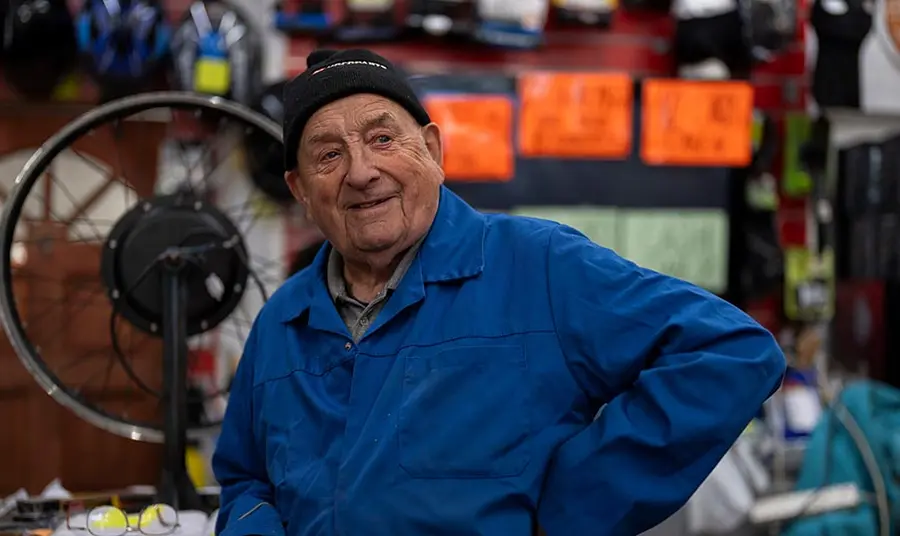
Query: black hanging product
{"points": [[265, 156], [38, 46], [442, 17], [758, 266], [840, 28], [814, 156]]}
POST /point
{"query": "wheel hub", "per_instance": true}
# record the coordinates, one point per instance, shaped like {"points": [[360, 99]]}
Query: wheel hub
{"points": [[170, 229]]}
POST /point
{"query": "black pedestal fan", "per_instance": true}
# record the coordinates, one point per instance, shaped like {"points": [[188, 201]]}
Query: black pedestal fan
{"points": [[174, 265]]}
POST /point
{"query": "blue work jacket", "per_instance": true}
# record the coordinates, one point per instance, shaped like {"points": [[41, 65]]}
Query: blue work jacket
{"points": [[469, 406]]}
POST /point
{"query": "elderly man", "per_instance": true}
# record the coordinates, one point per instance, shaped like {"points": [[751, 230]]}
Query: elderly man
{"points": [[437, 371]]}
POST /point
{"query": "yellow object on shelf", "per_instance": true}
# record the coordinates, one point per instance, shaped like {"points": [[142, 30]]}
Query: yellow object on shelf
{"points": [[196, 466], [212, 75]]}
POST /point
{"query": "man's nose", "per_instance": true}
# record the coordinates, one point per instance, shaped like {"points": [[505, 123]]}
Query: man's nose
{"points": [[362, 170]]}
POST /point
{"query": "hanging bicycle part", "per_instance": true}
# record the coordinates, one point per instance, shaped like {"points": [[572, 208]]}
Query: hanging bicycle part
{"points": [[176, 265]]}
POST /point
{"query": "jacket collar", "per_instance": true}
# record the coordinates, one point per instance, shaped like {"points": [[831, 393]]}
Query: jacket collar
{"points": [[452, 250]]}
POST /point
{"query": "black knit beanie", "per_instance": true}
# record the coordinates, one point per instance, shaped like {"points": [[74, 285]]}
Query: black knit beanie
{"points": [[331, 75]]}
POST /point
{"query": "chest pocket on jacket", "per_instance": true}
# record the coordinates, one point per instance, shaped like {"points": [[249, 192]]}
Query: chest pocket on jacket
{"points": [[465, 413]]}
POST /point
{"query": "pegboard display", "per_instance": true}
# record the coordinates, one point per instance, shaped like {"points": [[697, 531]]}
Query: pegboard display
{"points": [[636, 42]]}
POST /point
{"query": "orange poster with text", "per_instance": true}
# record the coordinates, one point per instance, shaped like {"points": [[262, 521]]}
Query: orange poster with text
{"points": [[477, 135], [696, 123], [576, 115]]}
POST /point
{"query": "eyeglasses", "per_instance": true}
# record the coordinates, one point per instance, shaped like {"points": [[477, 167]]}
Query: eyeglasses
{"points": [[155, 520]]}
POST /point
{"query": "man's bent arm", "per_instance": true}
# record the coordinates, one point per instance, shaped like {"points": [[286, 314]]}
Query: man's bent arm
{"points": [[240, 468], [678, 372]]}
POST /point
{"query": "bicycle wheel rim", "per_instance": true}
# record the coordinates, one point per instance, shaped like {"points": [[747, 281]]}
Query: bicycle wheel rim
{"points": [[12, 210]]}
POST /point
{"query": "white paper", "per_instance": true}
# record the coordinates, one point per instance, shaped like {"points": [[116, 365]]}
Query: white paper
{"points": [[802, 409]]}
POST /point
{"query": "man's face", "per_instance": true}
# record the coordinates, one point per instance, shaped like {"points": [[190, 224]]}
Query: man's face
{"points": [[368, 175]]}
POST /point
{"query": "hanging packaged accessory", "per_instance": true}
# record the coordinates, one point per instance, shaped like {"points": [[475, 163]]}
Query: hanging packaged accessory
{"points": [[217, 52], [870, 218], [38, 45], [770, 26], [762, 267], [441, 17], [125, 43], [308, 16], [809, 284], [709, 43], [265, 160], [511, 23], [585, 12], [656, 6], [372, 20], [796, 179], [765, 144], [840, 27], [800, 403]]}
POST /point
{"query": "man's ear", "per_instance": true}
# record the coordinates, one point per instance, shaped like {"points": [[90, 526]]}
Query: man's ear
{"points": [[432, 134], [292, 178]]}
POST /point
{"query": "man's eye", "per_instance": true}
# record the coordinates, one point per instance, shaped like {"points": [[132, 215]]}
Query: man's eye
{"points": [[330, 155], [382, 139]]}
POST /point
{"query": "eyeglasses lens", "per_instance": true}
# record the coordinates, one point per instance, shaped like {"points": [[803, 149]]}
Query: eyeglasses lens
{"points": [[107, 521], [158, 520]]}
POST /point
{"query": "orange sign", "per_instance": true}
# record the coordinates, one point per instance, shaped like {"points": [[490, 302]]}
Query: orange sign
{"points": [[892, 20], [573, 115], [694, 123], [477, 135]]}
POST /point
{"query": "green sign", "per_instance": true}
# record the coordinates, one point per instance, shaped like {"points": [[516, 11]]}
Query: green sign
{"points": [[597, 223], [690, 244], [687, 244]]}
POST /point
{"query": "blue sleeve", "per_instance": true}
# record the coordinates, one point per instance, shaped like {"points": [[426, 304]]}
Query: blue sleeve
{"points": [[246, 504], [678, 372]]}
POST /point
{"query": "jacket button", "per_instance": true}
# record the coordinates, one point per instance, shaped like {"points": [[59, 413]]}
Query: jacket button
{"points": [[348, 346]]}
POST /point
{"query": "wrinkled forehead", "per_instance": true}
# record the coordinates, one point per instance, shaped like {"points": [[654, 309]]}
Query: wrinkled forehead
{"points": [[352, 115]]}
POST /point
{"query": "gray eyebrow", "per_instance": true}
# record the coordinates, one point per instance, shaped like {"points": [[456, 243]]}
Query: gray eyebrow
{"points": [[319, 137], [383, 119]]}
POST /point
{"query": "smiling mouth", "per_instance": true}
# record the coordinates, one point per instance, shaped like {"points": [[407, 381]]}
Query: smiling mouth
{"points": [[369, 204]]}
